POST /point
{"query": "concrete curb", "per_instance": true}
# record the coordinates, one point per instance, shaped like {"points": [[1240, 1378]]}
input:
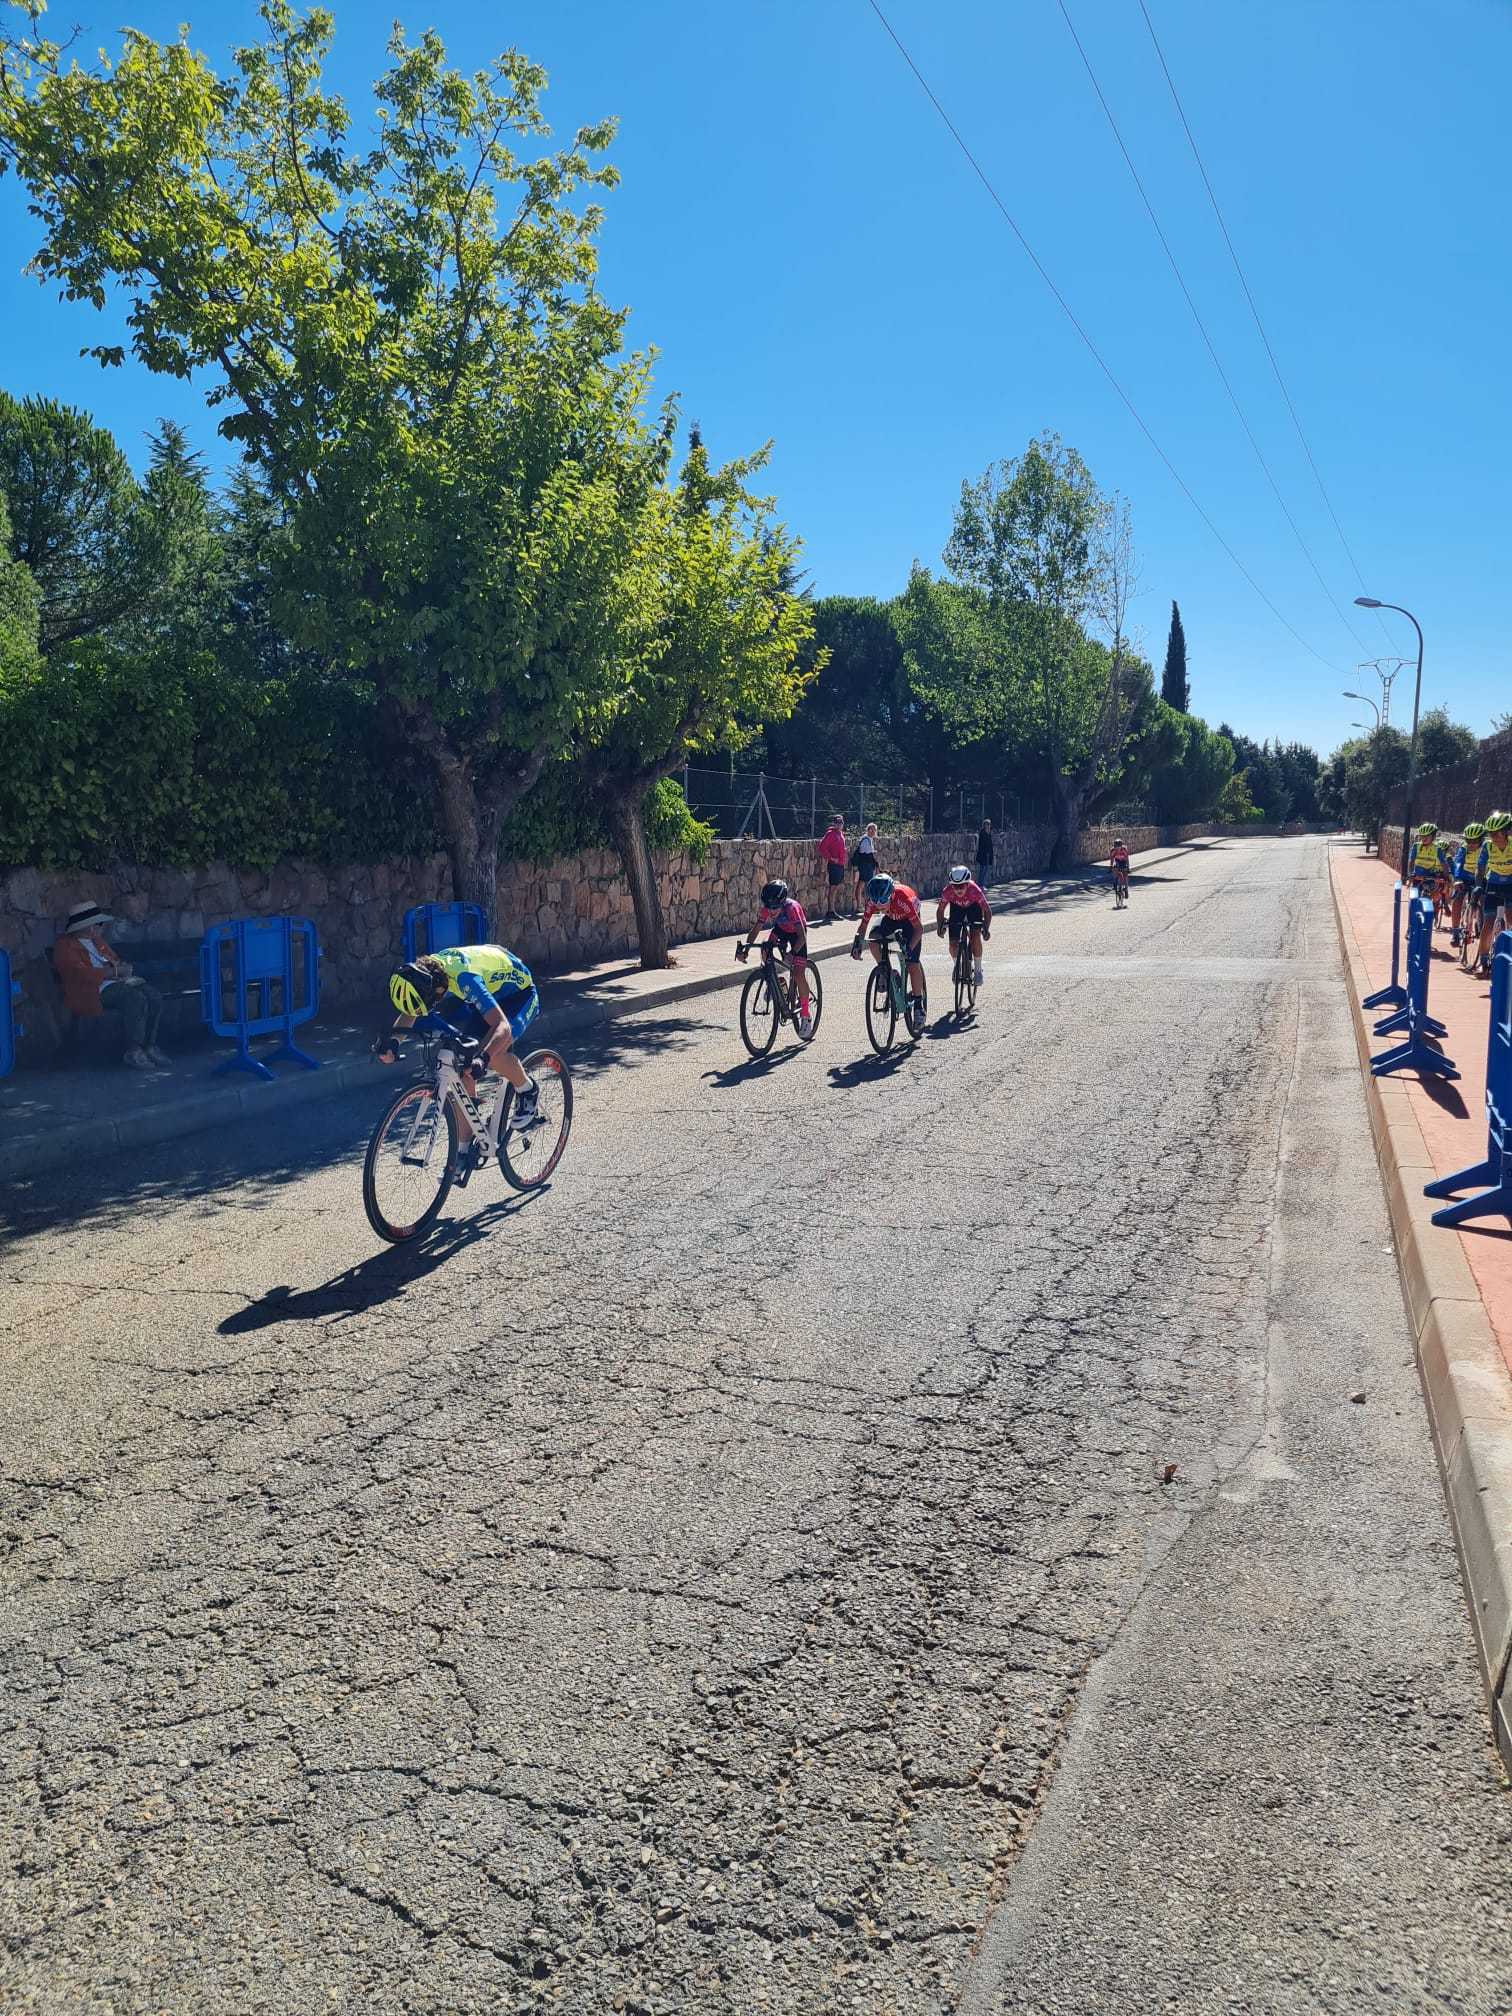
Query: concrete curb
{"points": [[1464, 1374]]}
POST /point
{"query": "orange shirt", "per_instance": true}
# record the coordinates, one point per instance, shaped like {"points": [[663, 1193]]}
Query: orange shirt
{"points": [[84, 964]]}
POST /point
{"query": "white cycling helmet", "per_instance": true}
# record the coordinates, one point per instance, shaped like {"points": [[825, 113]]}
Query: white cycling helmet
{"points": [[960, 873]]}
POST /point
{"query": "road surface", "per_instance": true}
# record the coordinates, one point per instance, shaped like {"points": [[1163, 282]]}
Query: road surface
{"points": [[952, 1534]]}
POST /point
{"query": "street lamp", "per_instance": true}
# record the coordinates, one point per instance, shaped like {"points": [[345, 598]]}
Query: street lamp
{"points": [[1365, 697], [1370, 602]]}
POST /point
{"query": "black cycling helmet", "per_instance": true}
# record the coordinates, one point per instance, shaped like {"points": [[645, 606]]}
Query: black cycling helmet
{"points": [[773, 893]]}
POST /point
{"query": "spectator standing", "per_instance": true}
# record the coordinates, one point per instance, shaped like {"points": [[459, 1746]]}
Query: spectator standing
{"points": [[984, 872], [865, 862], [834, 853], [95, 981]]}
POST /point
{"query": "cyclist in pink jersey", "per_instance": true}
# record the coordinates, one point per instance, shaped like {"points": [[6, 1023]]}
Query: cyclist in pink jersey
{"points": [[789, 926], [966, 903]]}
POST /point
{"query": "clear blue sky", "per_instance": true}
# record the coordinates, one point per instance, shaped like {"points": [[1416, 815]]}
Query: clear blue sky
{"points": [[800, 239]]}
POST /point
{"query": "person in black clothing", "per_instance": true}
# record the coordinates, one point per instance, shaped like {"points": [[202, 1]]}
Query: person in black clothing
{"points": [[984, 873]]}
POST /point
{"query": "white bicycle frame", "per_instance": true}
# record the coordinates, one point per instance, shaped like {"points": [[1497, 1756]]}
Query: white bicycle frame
{"points": [[448, 1085]]}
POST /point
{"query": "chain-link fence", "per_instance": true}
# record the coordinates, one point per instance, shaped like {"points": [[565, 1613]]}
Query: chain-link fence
{"points": [[751, 805]]}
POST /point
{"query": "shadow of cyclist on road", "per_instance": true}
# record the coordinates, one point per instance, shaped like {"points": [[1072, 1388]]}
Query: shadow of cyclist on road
{"points": [[867, 1070], [382, 1277], [752, 1067]]}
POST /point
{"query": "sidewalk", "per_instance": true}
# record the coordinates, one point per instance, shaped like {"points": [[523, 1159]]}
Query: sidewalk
{"points": [[49, 1116], [1457, 1282]]}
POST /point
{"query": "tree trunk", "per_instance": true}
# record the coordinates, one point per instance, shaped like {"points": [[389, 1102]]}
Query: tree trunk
{"points": [[470, 821], [627, 832], [1066, 803]]}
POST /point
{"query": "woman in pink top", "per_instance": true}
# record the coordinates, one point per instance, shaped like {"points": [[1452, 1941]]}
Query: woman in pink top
{"points": [[834, 853]]}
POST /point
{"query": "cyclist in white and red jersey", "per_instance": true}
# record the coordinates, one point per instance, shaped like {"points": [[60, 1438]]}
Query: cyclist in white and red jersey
{"points": [[789, 924], [898, 907], [966, 902]]}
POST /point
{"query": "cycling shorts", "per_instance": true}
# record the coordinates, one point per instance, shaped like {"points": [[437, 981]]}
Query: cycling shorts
{"points": [[960, 916], [898, 927], [794, 944]]}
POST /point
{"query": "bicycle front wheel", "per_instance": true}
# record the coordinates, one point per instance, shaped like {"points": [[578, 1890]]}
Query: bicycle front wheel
{"points": [[758, 1014], [410, 1164], [881, 1014], [528, 1155]]}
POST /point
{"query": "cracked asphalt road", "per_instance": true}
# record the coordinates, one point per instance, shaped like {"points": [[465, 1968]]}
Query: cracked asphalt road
{"points": [[741, 1578]]}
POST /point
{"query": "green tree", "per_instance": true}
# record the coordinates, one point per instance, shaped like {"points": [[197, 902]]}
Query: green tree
{"points": [[1193, 777], [848, 725], [105, 551], [725, 654], [1374, 767], [1174, 689], [404, 334], [1235, 804], [1442, 741], [1050, 553], [20, 601]]}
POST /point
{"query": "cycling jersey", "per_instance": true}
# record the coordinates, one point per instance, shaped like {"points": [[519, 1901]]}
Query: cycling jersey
{"points": [[902, 907], [788, 920], [962, 895], [1494, 862], [480, 978], [1425, 859], [1120, 857]]}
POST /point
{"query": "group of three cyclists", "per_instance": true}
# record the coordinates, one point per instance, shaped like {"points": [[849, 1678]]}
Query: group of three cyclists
{"points": [[1482, 861]]}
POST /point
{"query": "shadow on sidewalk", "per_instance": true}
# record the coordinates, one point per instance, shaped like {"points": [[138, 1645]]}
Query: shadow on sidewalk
{"points": [[383, 1277]]}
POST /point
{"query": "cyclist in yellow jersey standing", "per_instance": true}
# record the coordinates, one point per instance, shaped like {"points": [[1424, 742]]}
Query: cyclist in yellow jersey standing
{"points": [[1425, 867], [1494, 867]]}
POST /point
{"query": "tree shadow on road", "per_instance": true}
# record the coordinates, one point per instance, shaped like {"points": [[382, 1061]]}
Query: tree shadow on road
{"points": [[382, 1277]]}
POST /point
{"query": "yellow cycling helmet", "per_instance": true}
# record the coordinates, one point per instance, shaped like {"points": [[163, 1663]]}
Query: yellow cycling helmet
{"points": [[1427, 830], [1475, 830], [1499, 822], [413, 987]]}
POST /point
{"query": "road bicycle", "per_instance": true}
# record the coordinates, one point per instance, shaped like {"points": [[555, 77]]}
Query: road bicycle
{"points": [[1472, 920], [413, 1159], [770, 997], [963, 973], [887, 998], [1120, 888], [1443, 896]]}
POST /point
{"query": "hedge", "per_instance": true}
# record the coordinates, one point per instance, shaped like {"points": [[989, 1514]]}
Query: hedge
{"points": [[108, 756]]}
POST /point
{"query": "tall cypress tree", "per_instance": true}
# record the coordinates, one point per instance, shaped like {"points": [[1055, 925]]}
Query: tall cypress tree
{"points": [[1173, 681]]}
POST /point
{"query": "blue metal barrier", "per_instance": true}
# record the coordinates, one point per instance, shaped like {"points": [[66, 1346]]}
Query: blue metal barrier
{"points": [[442, 924], [1417, 1053], [247, 967], [1497, 1167], [1394, 996], [10, 1028]]}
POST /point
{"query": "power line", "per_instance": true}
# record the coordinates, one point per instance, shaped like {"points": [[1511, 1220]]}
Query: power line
{"points": [[1097, 356], [1254, 311], [1223, 376]]}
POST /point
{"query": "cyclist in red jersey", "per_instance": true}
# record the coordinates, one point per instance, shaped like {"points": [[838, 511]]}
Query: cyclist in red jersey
{"points": [[898, 907], [1118, 861], [967, 903]]}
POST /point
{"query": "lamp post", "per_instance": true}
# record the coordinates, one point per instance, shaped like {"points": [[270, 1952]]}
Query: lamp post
{"points": [[1365, 697], [1370, 602]]}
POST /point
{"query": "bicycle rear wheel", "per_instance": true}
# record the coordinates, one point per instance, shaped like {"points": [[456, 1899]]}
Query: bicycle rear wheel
{"points": [[881, 1015], [758, 1014], [816, 1004], [410, 1164], [529, 1156]]}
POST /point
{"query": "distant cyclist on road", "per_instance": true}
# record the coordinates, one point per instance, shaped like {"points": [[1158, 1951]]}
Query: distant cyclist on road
{"points": [[789, 922], [966, 902], [1118, 862], [898, 906], [481, 992]]}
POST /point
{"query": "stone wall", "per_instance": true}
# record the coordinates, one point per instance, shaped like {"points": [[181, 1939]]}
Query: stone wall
{"points": [[1461, 792], [564, 914]]}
